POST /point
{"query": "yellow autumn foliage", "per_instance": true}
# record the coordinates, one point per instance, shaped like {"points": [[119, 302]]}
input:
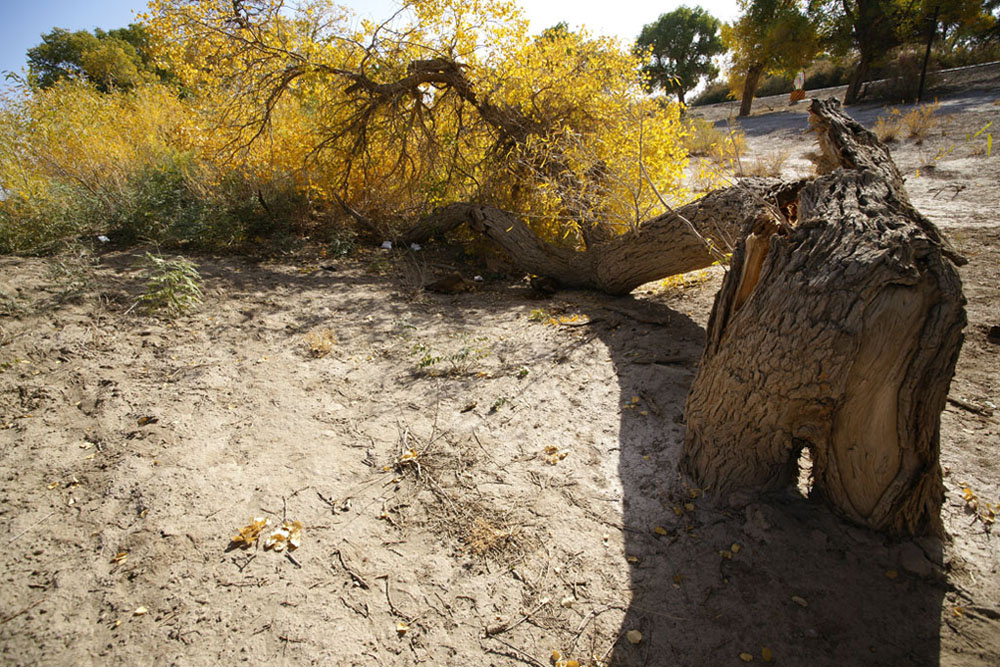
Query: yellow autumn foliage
{"points": [[279, 116]]}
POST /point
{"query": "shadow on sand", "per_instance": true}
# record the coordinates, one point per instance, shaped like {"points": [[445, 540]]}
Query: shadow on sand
{"points": [[710, 582], [779, 575]]}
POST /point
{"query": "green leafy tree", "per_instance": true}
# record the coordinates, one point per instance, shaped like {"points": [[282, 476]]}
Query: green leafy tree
{"points": [[873, 28], [770, 37], [681, 46], [118, 58]]}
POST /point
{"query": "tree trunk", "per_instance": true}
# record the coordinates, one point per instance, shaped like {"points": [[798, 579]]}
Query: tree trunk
{"points": [[749, 88], [853, 94], [927, 52], [692, 237], [836, 329]]}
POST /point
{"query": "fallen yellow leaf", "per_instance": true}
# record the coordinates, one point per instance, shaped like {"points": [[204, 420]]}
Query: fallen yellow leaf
{"points": [[766, 654], [660, 530], [250, 532], [746, 657], [892, 574], [402, 628], [634, 636]]}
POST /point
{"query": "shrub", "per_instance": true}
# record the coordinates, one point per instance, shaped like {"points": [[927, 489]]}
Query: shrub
{"points": [[767, 165], [703, 138], [827, 73], [714, 93], [920, 121], [774, 85], [173, 286], [887, 126], [901, 75]]}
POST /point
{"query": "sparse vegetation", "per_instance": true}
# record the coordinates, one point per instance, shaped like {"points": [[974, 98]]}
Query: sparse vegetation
{"points": [[920, 120], [458, 361], [703, 139], [769, 165], [888, 126], [173, 286], [321, 342], [915, 123]]}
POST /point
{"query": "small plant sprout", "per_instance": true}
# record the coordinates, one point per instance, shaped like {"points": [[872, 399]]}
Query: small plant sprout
{"points": [[173, 286]]}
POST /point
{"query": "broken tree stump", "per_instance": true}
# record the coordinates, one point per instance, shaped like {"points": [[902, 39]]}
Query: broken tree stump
{"points": [[836, 329]]}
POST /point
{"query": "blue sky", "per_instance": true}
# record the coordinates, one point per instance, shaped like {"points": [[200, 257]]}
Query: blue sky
{"points": [[22, 22]]}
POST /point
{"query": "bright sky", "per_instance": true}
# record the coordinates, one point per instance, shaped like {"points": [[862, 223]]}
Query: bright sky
{"points": [[22, 22]]}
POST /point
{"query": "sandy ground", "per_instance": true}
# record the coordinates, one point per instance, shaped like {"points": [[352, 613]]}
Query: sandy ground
{"points": [[482, 479]]}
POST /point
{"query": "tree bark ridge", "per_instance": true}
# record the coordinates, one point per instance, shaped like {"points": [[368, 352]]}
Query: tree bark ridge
{"points": [[837, 332]]}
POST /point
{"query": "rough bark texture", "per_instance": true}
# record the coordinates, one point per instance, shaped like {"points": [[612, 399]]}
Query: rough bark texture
{"points": [[837, 329], [661, 247], [749, 89]]}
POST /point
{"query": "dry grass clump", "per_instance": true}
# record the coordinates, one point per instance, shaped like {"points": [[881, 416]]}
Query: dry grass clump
{"points": [[484, 538], [920, 121], [703, 139], [767, 165], [320, 342], [917, 123], [460, 510], [887, 127]]}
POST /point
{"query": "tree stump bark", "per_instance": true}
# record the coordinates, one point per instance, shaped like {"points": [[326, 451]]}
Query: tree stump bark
{"points": [[836, 329]]}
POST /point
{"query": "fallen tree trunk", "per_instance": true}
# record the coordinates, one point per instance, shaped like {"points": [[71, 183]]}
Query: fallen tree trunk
{"points": [[692, 237], [836, 329]]}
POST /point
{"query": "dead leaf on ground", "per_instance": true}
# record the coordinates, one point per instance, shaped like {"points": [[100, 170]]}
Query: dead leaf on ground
{"points": [[288, 535], [553, 455], [250, 532]]}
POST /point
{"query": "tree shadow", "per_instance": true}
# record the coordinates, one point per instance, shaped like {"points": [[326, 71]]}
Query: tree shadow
{"points": [[778, 576], [708, 582]]}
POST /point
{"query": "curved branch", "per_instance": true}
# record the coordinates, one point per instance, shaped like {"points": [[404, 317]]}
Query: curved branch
{"points": [[670, 244]]}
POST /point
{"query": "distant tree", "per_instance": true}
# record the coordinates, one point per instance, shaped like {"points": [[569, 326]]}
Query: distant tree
{"points": [[681, 46], [553, 33], [771, 37], [119, 58], [872, 28]]}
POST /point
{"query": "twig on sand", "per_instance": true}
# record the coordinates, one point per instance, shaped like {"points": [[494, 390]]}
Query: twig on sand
{"points": [[32, 526], [592, 614], [388, 597], [354, 575], [506, 627], [518, 653], [25, 610], [971, 407]]}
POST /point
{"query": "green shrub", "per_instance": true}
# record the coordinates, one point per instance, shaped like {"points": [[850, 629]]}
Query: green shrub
{"points": [[714, 93], [774, 85], [827, 73], [173, 286]]}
